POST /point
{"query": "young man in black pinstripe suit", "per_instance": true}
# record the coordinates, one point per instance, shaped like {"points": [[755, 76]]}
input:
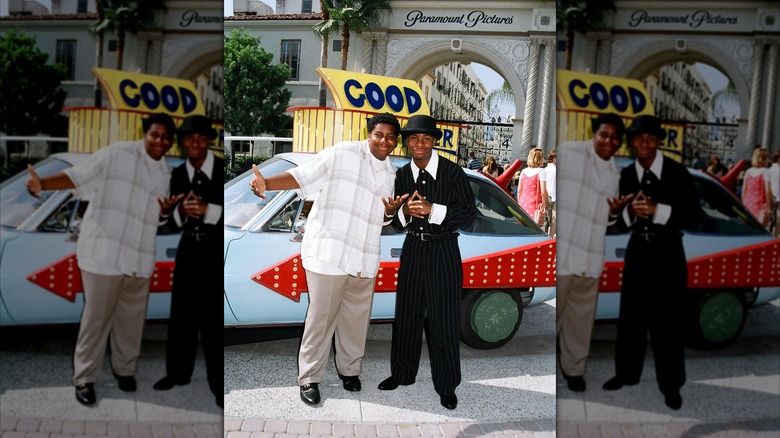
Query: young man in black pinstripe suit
{"points": [[430, 277]]}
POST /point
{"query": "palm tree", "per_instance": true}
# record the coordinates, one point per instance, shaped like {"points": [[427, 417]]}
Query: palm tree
{"points": [[323, 29], [498, 96], [722, 98], [122, 16], [580, 16], [97, 29], [357, 16]]}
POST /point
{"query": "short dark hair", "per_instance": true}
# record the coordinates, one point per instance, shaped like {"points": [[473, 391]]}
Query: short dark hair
{"points": [[384, 119], [610, 119], [162, 119]]}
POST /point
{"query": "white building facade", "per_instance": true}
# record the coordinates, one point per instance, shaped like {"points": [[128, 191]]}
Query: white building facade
{"points": [[185, 43], [741, 39], [515, 39]]}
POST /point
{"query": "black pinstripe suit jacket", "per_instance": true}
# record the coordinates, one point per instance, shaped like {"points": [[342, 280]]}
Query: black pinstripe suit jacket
{"points": [[450, 188]]}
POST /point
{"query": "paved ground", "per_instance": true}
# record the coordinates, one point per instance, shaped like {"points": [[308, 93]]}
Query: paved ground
{"points": [[37, 398], [510, 391], [730, 392]]}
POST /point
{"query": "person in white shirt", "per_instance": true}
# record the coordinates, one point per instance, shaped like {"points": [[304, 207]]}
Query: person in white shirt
{"points": [[355, 184], [547, 181], [116, 248], [589, 181]]}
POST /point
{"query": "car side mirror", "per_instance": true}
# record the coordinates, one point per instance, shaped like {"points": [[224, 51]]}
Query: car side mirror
{"points": [[298, 228]]}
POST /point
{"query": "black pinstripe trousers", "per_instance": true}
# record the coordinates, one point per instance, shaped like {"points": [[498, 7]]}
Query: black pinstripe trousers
{"points": [[429, 284]]}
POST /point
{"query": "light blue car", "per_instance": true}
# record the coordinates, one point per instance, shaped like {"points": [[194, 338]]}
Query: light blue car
{"points": [[39, 279], [509, 262]]}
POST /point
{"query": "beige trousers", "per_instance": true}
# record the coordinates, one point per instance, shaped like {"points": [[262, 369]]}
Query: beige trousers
{"points": [[575, 307], [339, 304], [114, 305]]}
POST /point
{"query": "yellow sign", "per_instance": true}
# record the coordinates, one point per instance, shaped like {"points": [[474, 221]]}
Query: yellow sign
{"points": [[583, 96], [374, 94], [316, 128], [601, 94], [148, 93]]}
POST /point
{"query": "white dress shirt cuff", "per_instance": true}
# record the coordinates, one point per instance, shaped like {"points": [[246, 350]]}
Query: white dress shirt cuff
{"points": [[213, 213], [662, 213], [438, 213]]}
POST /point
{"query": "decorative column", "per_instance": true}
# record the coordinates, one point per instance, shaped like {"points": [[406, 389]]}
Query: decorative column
{"points": [[380, 53], [755, 97], [529, 115], [150, 52], [771, 97], [548, 79], [604, 53], [368, 52]]}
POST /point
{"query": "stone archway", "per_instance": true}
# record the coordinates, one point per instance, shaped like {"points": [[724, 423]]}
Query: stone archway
{"points": [[412, 58], [189, 57], [644, 56]]}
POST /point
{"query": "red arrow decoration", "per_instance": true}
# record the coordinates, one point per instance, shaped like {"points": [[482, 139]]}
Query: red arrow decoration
{"points": [[63, 278], [749, 266], [531, 265]]}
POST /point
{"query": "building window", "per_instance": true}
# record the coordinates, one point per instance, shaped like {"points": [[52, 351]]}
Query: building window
{"points": [[112, 45], [66, 55], [337, 45], [291, 55], [82, 7], [306, 7]]}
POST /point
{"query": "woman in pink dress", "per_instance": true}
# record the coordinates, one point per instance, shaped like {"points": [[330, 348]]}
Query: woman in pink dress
{"points": [[529, 194], [756, 194]]}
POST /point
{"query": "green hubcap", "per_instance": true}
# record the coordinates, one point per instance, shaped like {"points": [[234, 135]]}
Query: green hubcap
{"points": [[494, 316], [720, 316]]}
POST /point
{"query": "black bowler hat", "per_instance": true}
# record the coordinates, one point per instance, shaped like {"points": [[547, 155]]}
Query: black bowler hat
{"points": [[646, 125], [197, 124], [421, 124]]}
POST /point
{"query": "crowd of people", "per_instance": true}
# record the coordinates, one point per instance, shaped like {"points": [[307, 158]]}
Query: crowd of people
{"points": [[758, 186]]}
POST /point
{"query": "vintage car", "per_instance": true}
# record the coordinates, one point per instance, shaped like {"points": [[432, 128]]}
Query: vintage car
{"points": [[733, 264], [508, 261], [39, 279]]}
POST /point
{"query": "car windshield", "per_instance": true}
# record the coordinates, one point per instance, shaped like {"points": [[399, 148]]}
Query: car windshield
{"points": [[723, 213], [16, 205], [241, 205], [497, 212]]}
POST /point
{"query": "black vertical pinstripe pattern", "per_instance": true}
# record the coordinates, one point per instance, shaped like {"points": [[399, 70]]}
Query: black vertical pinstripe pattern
{"points": [[654, 275], [429, 280]]}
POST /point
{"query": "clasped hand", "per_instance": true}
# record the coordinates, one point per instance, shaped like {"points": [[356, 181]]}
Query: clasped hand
{"points": [[417, 206], [642, 206]]}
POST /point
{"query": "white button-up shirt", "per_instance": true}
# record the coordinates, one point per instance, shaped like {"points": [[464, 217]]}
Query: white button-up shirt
{"points": [[344, 226], [119, 230]]}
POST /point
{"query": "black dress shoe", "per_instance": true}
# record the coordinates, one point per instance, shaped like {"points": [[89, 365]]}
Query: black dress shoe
{"points": [[449, 401], [575, 383], [390, 384], [167, 383], [674, 400], [310, 393], [85, 394], [616, 383], [350, 383], [126, 383]]}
